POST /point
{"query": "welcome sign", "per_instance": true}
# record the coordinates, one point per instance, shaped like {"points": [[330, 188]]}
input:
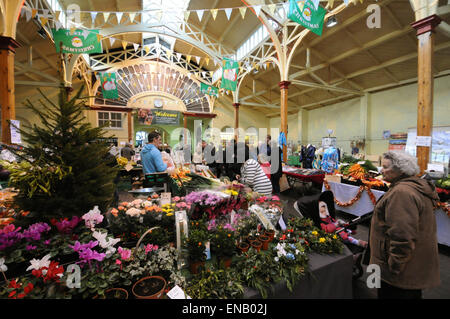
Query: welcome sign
{"points": [[158, 117], [79, 42]]}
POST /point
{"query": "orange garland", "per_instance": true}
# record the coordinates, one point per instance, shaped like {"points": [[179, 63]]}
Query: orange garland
{"points": [[357, 197]]}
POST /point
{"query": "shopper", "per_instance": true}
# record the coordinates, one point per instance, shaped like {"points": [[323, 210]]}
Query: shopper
{"points": [[276, 169], [403, 231], [151, 158], [253, 176], [127, 151]]}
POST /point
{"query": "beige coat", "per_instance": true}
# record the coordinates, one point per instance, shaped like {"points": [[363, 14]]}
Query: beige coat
{"points": [[403, 239]]}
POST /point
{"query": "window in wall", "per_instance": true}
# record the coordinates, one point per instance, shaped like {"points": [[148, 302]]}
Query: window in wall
{"points": [[111, 119]]}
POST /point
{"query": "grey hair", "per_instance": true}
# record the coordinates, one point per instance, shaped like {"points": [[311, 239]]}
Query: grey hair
{"points": [[403, 162]]}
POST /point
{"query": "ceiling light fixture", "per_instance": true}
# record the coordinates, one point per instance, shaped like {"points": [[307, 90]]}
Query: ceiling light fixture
{"points": [[331, 22]]}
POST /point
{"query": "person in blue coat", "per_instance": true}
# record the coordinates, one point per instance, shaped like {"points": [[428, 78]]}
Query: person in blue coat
{"points": [[151, 158]]}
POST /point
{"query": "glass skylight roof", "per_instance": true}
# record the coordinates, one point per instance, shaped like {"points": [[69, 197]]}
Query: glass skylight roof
{"points": [[173, 13]]}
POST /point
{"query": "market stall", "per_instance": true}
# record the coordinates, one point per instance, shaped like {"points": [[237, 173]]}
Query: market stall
{"points": [[303, 175]]}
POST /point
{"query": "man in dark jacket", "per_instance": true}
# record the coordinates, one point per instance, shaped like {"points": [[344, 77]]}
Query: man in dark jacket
{"points": [[403, 240]]}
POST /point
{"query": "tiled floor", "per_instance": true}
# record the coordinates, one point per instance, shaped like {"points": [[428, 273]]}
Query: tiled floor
{"points": [[360, 289]]}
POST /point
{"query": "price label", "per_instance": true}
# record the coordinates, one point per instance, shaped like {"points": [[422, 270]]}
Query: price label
{"points": [[165, 198], [177, 293], [128, 167]]}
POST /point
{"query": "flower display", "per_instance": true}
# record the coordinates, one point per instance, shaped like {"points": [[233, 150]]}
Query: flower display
{"points": [[135, 212], [124, 253], [33, 232], [150, 248], [9, 236], [92, 218], [105, 243], [37, 264], [66, 226], [3, 266], [85, 252]]}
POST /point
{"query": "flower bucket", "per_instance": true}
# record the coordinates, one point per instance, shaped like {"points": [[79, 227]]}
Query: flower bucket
{"points": [[196, 266], [257, 245], [250, 239], [265, 241], [151, 287]]}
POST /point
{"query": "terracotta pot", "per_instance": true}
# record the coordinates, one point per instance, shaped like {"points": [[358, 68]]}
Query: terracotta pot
{"points": [[226, 261], [250, 238], [270, 233], [265, 241], [111, 293], [195, 266], [151, 287], [243, 247], [257, 245]]}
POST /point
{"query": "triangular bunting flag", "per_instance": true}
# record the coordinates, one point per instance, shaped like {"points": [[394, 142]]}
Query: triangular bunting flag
{"points": [[33, 13], [159, 15], [124, 45], [58, 25], [43, 20], [188, 58], [112, 40], [178, 56], [200, 14], [198, 59], [272, 8], [207, 61], [132, 16], [186, 15], [28, 15], [99, 37], [106, 15], [147, 49], [228, 12], [22, 11], [119, 16], [169, 53], [86, 33], [330, 2], [93, 16], [57, 13], [257, 9], [214, 13], [316, 3], [136, 46], [243, 10]]}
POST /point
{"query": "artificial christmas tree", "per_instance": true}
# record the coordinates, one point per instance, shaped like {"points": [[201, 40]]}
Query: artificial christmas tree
{"points": [[78, 172]]}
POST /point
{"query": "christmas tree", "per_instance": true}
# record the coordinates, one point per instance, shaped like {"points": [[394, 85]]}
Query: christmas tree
{"points": [[68, 166]]}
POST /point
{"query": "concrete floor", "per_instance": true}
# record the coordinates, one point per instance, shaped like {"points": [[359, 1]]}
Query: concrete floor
{"points": [[360, 289]]}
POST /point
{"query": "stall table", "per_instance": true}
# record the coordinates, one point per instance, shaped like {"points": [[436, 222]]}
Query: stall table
{"points": [[295, 174], [329, 277], [345, 192]]}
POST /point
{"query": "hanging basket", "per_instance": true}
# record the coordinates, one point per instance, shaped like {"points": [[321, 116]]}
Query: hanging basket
{"points": [[142, 237]]}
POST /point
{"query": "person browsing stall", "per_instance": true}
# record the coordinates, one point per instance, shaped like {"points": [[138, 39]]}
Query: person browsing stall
{"points": [[403, 240], [151, 157], [253, 176]]}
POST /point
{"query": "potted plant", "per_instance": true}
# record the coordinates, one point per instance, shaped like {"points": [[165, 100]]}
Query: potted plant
{"points": [[151, 287], [195, 245], [270, 233], [256, 244], [264, 241], [243, 247], [223, 245], [216, 284], [114, 293]]}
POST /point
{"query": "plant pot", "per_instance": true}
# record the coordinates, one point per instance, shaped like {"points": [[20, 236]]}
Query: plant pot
{"points": [[226, 261], [114, 293], [250, 239], [270, 233], [151, 287], [196, 266], [265, 241], [257, 245], [243, 247]]}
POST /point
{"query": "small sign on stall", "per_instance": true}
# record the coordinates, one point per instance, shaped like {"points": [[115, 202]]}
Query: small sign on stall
{"points": [[423, 141], [177, 293], [165, 199]]}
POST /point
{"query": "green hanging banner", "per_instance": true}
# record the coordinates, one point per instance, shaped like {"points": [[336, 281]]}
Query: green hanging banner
{"points": [[229, 75], [80, 42], [309, 17], [208, 89], [109, 86]]}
